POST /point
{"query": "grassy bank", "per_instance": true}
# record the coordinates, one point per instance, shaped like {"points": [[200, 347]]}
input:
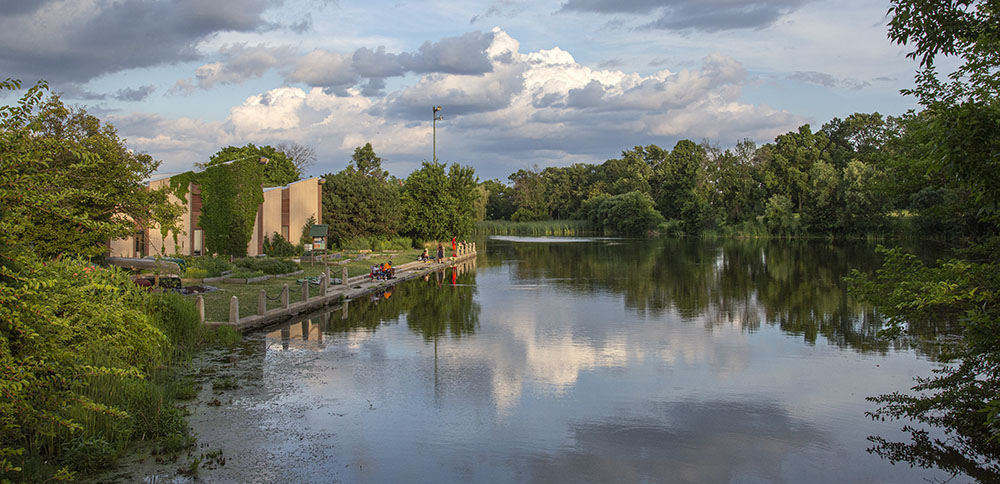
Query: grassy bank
{"points": [[538, 228], [217, 302]]}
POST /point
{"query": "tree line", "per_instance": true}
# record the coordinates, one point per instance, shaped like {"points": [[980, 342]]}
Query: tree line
{"points": [[862, 174]]}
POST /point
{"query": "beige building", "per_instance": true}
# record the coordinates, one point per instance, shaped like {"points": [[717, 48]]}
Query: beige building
{"points": [[285, 210]]}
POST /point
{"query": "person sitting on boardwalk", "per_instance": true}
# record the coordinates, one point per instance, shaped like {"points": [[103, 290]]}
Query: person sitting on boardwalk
{"points": [[387, 270], [425, 256]]}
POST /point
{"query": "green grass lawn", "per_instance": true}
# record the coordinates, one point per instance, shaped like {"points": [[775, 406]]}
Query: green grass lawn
{"points": [[217, 302]]}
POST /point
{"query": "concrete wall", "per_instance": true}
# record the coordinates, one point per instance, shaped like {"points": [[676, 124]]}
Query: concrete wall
{"points": [[303, 202], [304, 198], [271, 211]]}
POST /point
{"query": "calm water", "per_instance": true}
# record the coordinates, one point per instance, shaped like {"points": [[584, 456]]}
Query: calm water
{"points": [[590, 360]]}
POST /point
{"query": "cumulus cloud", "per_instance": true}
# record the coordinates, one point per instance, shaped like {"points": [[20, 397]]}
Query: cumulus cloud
{"points": [[704, 15], [73, 41], [240, 63], [532, 107], [463, 55]]}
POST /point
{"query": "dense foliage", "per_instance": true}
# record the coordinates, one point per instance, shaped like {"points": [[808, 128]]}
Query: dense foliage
{"points": [[361, 200], [278, 168], [230, 195], [630, 213], [79, 345], [954, 148], [278, 246], [439, 205], [831, 181], [68, 184]]}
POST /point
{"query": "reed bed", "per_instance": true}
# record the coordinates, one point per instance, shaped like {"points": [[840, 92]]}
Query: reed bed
{"points": [[538, 228]]}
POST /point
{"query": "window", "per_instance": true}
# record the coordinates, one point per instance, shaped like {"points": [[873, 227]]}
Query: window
{"points": [[139, 245], [199, 242]]}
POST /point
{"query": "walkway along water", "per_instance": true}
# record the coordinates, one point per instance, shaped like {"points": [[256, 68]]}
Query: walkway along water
{"points": [[348, 289]]}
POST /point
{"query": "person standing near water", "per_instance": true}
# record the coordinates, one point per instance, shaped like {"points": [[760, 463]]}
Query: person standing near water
{"points": [[440, 252]]}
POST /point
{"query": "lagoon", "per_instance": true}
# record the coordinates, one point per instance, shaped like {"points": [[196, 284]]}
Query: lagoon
{"points": [[578, 360]]}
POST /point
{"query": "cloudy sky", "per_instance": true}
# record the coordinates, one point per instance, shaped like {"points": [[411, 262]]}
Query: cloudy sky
{"points": [[521, 83]]}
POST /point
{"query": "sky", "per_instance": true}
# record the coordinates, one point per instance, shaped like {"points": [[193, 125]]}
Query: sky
{"points": [[521, 84]]}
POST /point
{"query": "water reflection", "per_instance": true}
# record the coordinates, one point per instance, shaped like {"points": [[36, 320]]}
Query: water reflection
{"points": [[796, 285], [597, 361], [684, 440], [439, 304]]}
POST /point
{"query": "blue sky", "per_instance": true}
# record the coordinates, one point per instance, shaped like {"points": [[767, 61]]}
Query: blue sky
{"points": [[521, 84]]}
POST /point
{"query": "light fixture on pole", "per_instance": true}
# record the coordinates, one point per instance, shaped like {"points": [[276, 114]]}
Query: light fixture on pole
{"points": [[436, 118]]}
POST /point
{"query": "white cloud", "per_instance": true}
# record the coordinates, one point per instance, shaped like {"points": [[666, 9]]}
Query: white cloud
{"points": [[540, 106]]}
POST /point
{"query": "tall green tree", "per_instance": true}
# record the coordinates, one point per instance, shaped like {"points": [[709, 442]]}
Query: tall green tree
{"points": [[567, 187], [792, 158], [679, 185], [438, 204], [733, 176], [361, 200], [500, 201], [632, 172], [68, 183], [529, 196]]}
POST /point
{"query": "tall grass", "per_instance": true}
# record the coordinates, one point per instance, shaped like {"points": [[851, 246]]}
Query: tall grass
{"points": [[125, 394], [538, 228]]}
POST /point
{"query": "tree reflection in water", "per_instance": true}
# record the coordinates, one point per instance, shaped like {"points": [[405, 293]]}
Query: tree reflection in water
{"points": [[436, 305], [796, 285]]}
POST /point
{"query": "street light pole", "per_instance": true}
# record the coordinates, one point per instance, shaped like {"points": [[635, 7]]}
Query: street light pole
{"points": [[435, 117]]}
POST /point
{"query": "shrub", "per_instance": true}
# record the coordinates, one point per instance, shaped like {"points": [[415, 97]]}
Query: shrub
{"points": [[278, 246], [214, 266], [631, 213]]}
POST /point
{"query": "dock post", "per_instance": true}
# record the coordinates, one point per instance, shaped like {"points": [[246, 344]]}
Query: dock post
{"points": [[343, 314], [343, 278], [234, 310], [322, 283], [284, 296], [262, 302], [326, 272], [199, 304], [305, 290]]}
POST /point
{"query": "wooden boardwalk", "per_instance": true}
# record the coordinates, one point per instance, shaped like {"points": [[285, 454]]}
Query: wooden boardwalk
{"points": [[334, 294]]}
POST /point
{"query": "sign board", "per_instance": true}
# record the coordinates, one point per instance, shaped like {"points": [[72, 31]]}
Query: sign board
{"points": [[319, 243]]}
